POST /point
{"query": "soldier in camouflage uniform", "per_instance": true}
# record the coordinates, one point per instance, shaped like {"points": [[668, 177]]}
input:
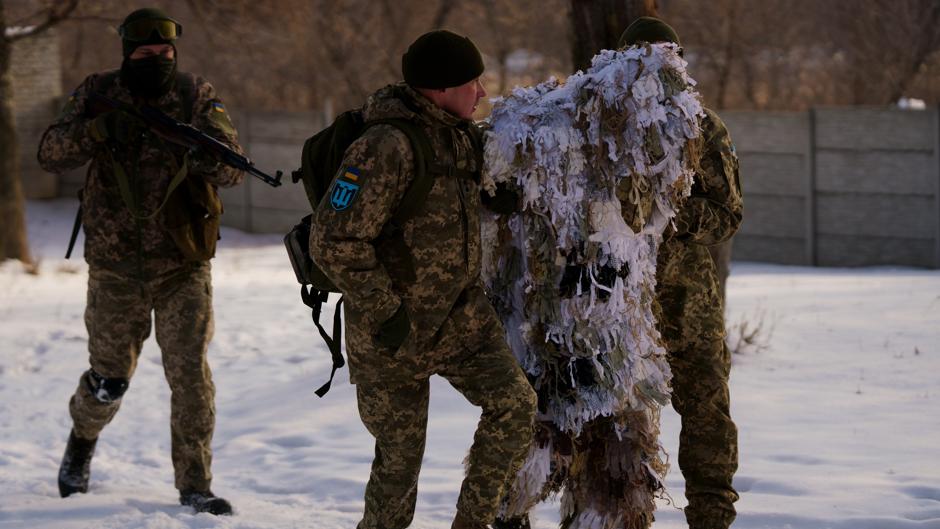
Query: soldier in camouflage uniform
{"points": [[691, 316], [415, 304], [135, 268]]}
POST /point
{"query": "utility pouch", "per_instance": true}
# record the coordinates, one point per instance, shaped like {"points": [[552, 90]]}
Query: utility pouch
{"points": [[192, 217], [297, 242]]}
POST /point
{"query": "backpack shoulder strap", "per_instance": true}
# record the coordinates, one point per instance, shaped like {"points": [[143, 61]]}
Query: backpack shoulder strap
{"points": [[423, 154], [186, 88], [105, 80], [475, 135]]}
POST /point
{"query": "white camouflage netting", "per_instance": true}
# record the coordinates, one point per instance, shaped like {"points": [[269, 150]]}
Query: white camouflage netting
{"points": [[545, 140], [609, 141]]}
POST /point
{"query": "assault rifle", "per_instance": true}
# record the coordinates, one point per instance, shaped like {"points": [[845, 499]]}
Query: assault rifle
{"points": [[181, 134]]}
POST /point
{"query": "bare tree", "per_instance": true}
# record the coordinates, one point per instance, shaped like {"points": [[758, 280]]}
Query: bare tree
{"points": [[13, 242], [598, 24], [508, 29], [884, 45]]}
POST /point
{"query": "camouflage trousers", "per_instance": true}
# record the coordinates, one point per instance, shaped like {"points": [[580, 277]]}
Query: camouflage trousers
{"points": [[118, 319], [708, 442], [476, 361]]}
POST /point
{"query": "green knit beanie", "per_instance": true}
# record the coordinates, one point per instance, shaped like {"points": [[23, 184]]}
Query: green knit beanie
{"points": [[648, 29], [441, 59], [148, 26]]}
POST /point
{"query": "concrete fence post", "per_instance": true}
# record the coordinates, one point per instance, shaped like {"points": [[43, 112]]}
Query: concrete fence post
{"points": [[936, 180], [811, 250]]}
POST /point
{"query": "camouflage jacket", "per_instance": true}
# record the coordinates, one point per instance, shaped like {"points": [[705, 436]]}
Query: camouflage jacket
{"points": [[114, 239], [434, 256], [687, 287]]}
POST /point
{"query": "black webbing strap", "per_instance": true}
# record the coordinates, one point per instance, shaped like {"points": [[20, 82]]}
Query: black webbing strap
{"points": [[77, 225], [414, 197], [451, 171], [315, 299]]}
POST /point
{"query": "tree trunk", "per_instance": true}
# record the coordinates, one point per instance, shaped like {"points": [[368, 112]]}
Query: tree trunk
{"points": [[927, 43], [13, 243], [597, 25], [728, 55]]}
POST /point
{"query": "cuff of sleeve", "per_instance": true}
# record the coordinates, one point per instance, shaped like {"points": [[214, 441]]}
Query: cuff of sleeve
{"points": [[380, 312]]}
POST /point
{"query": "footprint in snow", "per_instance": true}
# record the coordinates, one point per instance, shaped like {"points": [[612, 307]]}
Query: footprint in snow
{"points": [[293, 441], [797, 459], [922, 492]]}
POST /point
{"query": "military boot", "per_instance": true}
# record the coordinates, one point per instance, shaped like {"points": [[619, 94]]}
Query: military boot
{"points": [[75, 469], [461, 522], [205, 501], [517, 522]]}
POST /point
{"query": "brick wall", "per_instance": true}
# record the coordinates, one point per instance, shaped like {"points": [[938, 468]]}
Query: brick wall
{"points": [[37, 96]]}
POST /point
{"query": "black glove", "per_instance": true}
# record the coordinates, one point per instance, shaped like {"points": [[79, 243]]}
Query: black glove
{"points": [[393, 332], [504, 202], [202, 163], [115, 125]]}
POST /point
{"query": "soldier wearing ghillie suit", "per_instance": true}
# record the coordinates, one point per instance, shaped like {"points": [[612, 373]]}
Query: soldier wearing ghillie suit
{"points": [[691, 316], [604, 161], [137, 189], [415, 304]]}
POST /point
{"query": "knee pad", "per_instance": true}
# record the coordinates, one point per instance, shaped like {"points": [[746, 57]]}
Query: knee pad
{"points": [[106, 390]]}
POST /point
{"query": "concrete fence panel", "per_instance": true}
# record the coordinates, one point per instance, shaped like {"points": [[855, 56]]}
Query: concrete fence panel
{"points": [[273, 140], [876, 187], [775, 157]]}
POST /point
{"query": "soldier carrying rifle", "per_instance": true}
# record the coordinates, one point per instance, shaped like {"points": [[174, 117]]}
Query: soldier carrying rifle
{"points": [[151, 217]]}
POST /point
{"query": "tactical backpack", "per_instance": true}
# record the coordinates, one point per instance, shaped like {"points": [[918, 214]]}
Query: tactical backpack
{"points": [[320, 160]]}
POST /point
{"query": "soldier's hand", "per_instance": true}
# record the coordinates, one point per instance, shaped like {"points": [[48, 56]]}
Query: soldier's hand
{"points": [[114, 125], [393, 332], [202, 163]]}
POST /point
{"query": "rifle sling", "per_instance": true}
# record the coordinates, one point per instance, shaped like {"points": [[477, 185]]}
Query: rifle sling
{"points": [[77, 225], [124, 186]]}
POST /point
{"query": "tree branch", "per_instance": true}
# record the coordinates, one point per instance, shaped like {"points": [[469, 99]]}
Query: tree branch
{"points": [[443, 10], [52, 17]]}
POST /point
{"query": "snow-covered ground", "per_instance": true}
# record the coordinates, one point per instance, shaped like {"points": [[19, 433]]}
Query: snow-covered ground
{"points": [[839, 417]]}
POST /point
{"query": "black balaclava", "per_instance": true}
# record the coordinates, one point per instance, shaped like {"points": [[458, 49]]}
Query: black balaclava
{"points": [[150, 77]]}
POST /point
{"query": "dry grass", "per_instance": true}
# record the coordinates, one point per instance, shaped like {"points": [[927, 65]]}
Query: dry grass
{"points": [[751, 334]]}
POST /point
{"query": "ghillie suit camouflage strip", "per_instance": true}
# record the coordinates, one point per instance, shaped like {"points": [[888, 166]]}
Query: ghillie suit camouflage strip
{"points": [[601, 162]]}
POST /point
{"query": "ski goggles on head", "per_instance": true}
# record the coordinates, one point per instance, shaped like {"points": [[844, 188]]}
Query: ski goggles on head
{"points": [[141, 30]]}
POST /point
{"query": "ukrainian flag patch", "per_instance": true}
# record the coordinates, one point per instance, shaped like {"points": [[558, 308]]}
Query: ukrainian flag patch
{"points": [[218, 107], [351, 173]]}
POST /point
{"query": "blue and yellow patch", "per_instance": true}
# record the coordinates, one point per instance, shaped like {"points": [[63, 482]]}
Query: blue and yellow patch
{"points": [[345, 189], [218, 107]]}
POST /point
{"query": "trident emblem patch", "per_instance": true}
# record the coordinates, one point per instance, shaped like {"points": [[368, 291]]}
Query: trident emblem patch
{"points": [[345, 189]]}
